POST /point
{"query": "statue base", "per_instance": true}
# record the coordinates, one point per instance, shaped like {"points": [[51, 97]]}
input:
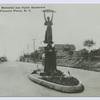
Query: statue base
{"points": [[50, 60], [55, 79]]}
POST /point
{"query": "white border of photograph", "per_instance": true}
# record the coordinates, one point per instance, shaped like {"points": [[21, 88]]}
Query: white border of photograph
{"points": [[48, 1]]}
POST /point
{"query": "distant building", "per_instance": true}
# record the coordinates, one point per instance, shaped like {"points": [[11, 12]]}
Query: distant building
{"points": [[59, 46], [63, 49], [64, 46], [41, 48]]}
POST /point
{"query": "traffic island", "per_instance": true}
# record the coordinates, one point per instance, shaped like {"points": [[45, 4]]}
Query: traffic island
{"points": [[62, 83]]}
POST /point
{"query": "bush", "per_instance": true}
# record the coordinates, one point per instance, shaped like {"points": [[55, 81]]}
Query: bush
{"points": [[67, 81]]}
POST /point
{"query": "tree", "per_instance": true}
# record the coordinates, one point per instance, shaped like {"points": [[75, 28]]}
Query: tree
{"points": [[35, 56], [70, 48], [83, 53], [89, 44]]}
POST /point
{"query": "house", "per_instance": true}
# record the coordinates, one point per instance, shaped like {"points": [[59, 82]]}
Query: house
{"points": [[63, 50]]}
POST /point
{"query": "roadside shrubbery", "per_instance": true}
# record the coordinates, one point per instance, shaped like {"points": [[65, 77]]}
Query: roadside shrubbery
{"points": [[3, 59], [32, 57]]}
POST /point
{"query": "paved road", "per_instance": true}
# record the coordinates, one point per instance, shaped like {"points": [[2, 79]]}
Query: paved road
{"points": [[14, 81]]}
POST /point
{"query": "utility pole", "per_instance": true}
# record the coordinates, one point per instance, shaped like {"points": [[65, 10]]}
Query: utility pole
{"points": [[34, 44], [4, 54], [27, 48], [41, 43]]}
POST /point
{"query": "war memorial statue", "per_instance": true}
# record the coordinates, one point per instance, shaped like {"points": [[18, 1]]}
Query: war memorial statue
{"points": [[50, 76], [48, 23], [50, 54]]}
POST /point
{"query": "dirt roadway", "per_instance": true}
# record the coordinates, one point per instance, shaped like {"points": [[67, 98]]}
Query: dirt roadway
{"points": [[14, 81]]}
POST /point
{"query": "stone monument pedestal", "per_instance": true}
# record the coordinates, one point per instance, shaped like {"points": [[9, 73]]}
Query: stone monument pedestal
{"points": [[50, 60]]}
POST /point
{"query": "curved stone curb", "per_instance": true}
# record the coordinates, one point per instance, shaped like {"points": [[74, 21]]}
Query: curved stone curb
{"points": [[68, 89]]}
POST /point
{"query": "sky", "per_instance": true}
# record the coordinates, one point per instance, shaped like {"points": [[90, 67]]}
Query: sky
{"points": [[72, 24]]}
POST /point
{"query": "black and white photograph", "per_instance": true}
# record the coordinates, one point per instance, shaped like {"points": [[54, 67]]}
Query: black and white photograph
{"points": [[49, 50]]}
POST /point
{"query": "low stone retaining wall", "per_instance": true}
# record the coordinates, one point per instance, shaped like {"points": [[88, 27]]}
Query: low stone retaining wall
{"points": [[68, 89]]}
